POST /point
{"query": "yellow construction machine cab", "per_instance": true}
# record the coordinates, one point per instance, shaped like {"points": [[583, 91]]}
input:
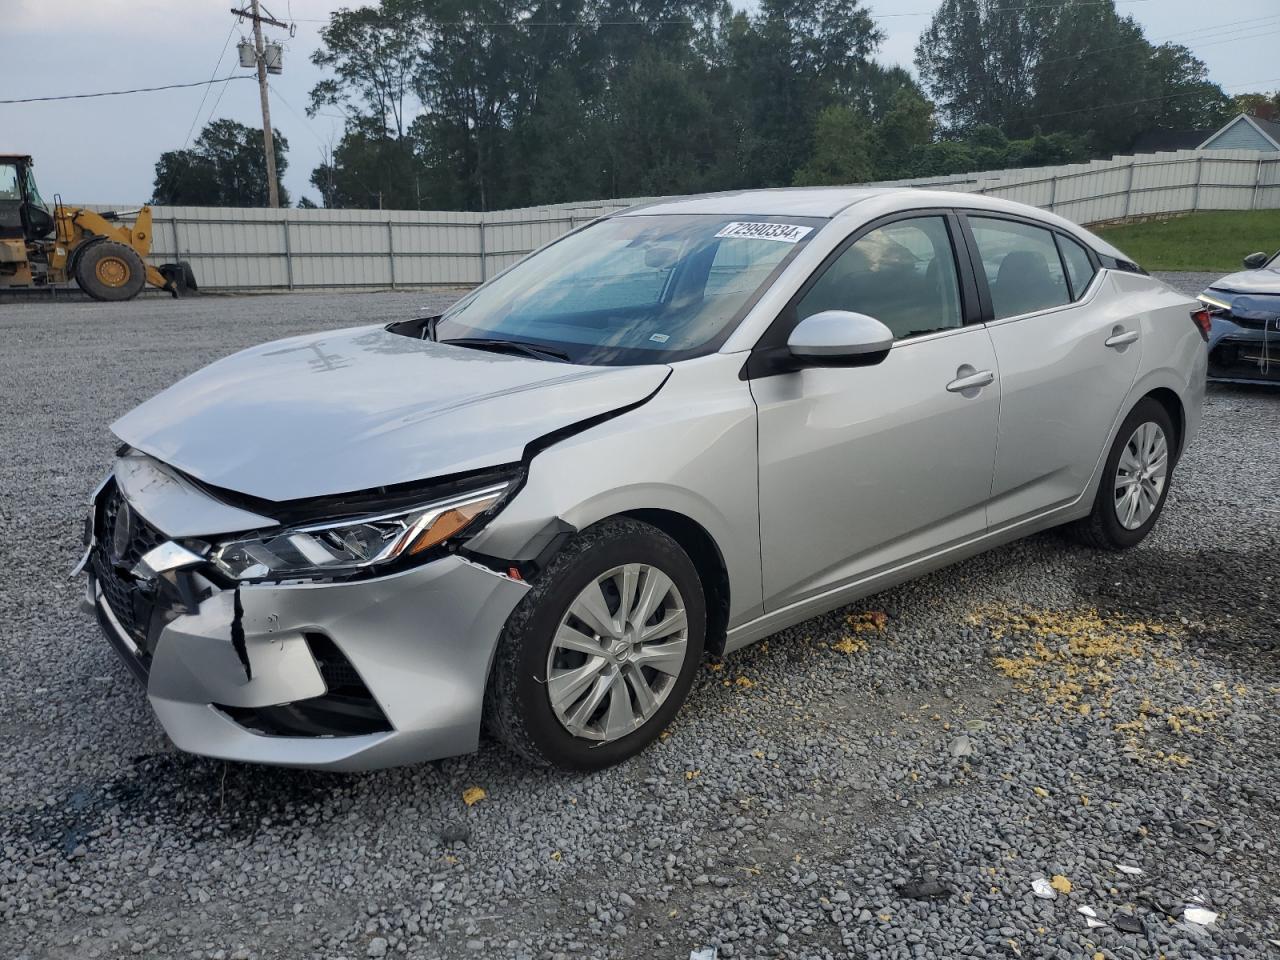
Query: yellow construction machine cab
{"points": [[39, 248], [23, 215]]}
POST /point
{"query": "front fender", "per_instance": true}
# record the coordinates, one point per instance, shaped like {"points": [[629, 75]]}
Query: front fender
{"points": [[690, 450]]}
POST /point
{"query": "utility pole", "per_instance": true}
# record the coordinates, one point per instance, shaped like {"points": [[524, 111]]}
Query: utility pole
{"points": [[268, 137]]}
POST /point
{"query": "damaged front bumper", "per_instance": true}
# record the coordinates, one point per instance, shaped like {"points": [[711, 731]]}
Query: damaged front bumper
{"points": [[339, 676], [1244, 346]]}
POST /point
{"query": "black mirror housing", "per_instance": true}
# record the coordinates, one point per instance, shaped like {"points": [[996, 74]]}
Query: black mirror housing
{"points": [[1255, 261]]}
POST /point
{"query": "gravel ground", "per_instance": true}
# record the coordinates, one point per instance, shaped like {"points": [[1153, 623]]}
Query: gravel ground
{"points": [[885, 781]]}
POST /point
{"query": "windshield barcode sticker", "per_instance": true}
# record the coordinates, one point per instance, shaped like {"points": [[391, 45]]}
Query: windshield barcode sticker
{"points": [[748, 230]]}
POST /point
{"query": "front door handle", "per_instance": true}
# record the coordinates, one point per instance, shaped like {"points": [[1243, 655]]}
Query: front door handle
{"points": [[971, 379], [1121, 338]]}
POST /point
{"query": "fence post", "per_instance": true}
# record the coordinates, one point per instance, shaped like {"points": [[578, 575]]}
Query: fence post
{"points": [[483, 272], [1257, 185], [173, 224], [1128, 193], [1195, 197], [391, 253], [1053, 192], [288, 252]]}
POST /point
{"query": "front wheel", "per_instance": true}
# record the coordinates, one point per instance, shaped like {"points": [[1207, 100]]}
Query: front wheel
{"points": [[1135, 481], [110, 271], [600, 654]]}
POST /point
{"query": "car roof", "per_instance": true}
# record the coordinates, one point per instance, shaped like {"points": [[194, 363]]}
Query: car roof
{"points": [[784, 201], [830, 202]]}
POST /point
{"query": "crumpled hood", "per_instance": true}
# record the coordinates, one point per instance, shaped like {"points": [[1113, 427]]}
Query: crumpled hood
{"points": [[349, 410], [1265, 280]]}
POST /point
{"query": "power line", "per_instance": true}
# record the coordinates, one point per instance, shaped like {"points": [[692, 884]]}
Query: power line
{"points": [[205, 96], [301, 119], [1252, 84], [1231, 30], [121, 93], [216, 102]]}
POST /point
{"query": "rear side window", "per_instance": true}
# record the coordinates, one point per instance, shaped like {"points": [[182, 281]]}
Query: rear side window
{"points": [[903, 274], [1024, 271], [1079, 266]]}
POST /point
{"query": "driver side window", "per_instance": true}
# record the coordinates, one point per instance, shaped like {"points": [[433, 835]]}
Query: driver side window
{"points": [[903, 274]]}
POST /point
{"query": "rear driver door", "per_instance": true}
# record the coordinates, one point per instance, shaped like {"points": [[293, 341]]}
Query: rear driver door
{"points": [[1067, 362]]}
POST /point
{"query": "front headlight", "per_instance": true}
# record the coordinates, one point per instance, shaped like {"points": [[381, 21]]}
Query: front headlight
{"points": [[1214, 305], [348, 546]]}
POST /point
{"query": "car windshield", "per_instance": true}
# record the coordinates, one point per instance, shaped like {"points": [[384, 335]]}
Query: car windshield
{"points": [[632, 289]]}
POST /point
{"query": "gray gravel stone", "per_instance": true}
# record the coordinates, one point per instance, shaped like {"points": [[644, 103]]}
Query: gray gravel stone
{"points": [[816, 792]]}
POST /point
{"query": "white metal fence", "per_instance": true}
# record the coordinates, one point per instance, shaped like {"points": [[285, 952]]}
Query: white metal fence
{"points": [[261, 249]]}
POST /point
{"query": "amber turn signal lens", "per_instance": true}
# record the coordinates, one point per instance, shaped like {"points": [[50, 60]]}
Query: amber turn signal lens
{"points": [[448, 523]]}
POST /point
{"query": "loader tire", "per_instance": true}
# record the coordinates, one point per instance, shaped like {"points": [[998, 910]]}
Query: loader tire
{"points": [[110, 271]]}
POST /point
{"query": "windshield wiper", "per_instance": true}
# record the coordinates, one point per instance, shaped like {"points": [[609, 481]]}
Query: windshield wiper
{"points": [[511, 346]]}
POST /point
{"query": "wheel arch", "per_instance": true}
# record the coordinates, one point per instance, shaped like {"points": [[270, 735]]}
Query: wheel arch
{"points": [[707, 559], [78, 251], [1172, 404]]}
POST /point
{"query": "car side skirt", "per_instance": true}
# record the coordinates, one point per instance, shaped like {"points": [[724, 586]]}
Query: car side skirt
{"points": [[770, 623]]}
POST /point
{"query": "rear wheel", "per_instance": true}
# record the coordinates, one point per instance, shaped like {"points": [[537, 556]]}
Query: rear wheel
{"points": [[1135, 481], [600, 654], [110, 271]]}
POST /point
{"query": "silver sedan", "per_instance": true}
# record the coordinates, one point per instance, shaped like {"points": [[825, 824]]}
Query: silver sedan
{"points": [[664, 436]]}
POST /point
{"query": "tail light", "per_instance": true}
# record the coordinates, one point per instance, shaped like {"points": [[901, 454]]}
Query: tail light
{"points": [[1202, 321]]}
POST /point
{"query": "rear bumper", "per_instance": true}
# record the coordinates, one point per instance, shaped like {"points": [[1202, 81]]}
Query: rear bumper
{"points": [[420, 642]]}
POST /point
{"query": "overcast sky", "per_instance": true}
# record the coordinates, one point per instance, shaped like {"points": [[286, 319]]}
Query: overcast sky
{"points": [[104, 150]]}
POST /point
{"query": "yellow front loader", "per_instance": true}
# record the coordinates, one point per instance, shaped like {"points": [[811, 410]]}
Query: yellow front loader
{"points": [[102, 255]]}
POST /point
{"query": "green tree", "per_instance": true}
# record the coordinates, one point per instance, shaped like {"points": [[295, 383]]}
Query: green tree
{"points": [[373, 53], [225, 167], [791, 61], [1186, 99], [841, 150], [1076, 67], [977, 60], [369, 169], [906, 125], [1252, 102]]}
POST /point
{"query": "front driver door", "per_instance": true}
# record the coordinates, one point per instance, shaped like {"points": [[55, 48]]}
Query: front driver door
{"points": [[864, 468]]}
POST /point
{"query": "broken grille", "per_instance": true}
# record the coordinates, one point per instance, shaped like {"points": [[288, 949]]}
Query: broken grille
{"points": [[132, 601]]}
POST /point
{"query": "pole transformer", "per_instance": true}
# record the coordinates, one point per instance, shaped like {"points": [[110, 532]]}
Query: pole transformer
{"points": [[254, 13]]}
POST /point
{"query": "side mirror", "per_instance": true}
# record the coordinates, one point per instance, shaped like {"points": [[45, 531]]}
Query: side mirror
{"points": [[1255, 261], [839, 338]]}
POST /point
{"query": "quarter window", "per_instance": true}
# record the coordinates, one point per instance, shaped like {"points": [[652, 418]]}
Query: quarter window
{"points": [[1079, 266], [1024, 271], [903, 274]]}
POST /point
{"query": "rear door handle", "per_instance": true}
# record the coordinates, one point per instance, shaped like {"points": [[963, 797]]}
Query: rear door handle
{"points": [[972, 381], [1121, 339]]}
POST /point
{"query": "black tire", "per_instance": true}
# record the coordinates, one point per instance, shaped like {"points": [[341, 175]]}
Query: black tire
{"points": [[1102, 529], [110, 271], [518, 709]]}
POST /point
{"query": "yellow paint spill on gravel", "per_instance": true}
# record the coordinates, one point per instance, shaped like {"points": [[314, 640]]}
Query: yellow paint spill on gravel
{"points": [[862, 624], [1085, 664]]}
